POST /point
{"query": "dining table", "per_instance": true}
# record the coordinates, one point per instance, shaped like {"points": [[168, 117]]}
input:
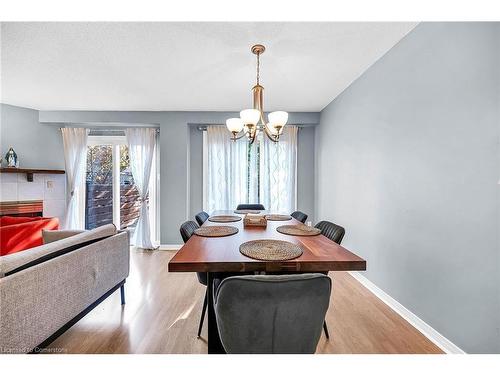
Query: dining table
{"points": [[219, 255]]}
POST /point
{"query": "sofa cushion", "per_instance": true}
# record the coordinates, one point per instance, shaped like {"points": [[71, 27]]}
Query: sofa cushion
{"points": [[14, 261], [57, 235]]}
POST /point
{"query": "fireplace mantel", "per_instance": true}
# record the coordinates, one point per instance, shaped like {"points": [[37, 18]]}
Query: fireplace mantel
{"points": [[30, 171]]}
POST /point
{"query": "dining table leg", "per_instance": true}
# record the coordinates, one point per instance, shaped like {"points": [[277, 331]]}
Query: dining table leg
{"points": [[214, 343]]}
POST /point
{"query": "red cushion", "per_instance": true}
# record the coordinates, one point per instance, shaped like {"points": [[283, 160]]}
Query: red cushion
{"points": [[22, 236], [10, 220]]}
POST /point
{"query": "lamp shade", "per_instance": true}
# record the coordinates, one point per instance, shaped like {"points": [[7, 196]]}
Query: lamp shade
{"points": [[250, 116], [278, 118], [234, 125]]}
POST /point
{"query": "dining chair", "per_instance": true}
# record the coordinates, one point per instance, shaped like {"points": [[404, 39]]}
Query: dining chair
{"points": [[201, 217], [187, 229], [335, 233], [271, 313], [250, 206], [299, 215]]}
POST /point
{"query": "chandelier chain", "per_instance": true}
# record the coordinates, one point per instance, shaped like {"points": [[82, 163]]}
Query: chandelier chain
{"points": [[258, 68]]}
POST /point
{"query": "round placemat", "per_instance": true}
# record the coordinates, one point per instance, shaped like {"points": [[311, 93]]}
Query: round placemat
{"points": [[270, 250], [216, 231], [224, 218], [299, 230], [277, 217], [242, 212]]}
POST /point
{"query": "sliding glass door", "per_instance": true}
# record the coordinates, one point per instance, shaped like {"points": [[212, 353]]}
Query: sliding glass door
{"points": [[111, 194], [99, 186]]}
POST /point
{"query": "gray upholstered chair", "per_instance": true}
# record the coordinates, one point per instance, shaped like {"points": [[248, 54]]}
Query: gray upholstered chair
{"points": [[332, 231], [271, 313], [300, 216], [187, 229], [250, 206], [201, 217]]}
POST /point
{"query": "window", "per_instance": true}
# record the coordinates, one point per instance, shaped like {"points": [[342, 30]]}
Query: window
{"points": [[239, 172]]}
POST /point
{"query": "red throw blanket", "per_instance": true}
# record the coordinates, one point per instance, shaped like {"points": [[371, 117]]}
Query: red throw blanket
{"points": [[21, 233]]}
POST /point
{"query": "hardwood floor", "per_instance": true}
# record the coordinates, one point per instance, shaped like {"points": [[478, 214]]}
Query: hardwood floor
{"points": [[163, 311]]}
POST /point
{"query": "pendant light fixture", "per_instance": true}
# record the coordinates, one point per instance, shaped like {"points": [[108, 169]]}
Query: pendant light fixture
{"points": [[251, 121]]}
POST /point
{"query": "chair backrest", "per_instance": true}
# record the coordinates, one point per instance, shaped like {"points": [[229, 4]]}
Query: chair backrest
{"points": [[272, 313], [201, 217], [187, 229], [300, 216], [250, 206], [332, 231]]}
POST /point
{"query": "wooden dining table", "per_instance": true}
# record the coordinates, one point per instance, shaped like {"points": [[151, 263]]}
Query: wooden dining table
{"points": [[216, 255]]}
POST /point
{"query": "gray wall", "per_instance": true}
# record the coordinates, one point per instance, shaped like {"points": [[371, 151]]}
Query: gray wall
{"points": [[408, 161], [305, 170], [175, 157], [37, 146]]}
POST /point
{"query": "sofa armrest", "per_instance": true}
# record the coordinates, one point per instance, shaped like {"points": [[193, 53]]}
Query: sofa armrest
{"points": [[56, 235]]}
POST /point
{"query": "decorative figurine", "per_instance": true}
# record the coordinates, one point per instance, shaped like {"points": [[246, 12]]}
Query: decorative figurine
{"points": [[11, 158]]}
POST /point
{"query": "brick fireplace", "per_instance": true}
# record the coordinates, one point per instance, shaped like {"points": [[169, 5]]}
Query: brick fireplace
{"points": [[22, 208]]}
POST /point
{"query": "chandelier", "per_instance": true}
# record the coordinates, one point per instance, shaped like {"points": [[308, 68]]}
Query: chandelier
{"points": [[251, 121]]}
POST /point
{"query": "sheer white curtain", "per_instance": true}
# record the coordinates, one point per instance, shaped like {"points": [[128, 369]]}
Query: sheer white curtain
{"points": [[278, 171], [75, 159], [226, 171], [141, 147]]}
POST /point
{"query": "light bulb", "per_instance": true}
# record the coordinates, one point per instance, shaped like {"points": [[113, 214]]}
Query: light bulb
{"points": [[234, 125], [278, 118], [250, 116]]}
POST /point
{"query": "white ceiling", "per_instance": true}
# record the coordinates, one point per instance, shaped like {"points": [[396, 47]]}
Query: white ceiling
{"points": [[186, 66]]}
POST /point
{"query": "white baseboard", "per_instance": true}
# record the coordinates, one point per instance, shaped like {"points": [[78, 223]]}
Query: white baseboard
{"points": [[173, 247], [442, 342]]}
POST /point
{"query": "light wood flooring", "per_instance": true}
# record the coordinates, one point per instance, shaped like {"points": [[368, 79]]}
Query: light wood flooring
{"points": [[163, 310]]}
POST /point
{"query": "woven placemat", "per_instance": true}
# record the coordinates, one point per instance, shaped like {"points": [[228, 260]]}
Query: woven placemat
{"points": [[277, 217], [224, 218], [216, 231], [298, 230], [270, 250], [243, 212]]}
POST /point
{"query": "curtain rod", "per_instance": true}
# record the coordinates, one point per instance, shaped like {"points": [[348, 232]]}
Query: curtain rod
{"points": [[204, 127], [114, 128]]}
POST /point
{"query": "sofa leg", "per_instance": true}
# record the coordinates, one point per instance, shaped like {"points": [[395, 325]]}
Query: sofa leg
{"points": [[122, 294]]}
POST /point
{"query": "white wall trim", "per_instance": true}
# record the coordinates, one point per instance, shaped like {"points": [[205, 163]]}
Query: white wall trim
{"points": [[442, 342], [172, 247]]}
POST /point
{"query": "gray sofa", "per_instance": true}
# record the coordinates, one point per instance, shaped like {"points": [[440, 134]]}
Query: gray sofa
{"points": [[47, 289]]}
